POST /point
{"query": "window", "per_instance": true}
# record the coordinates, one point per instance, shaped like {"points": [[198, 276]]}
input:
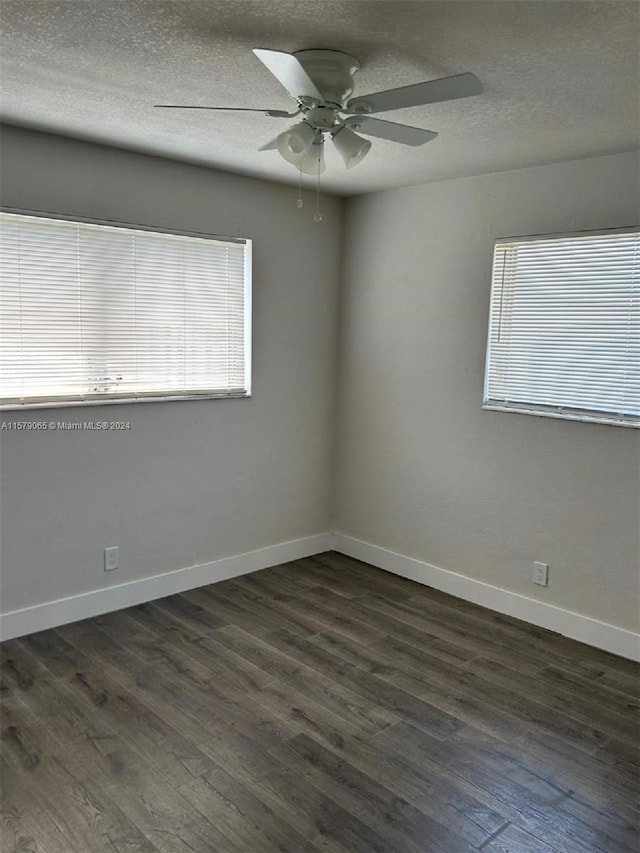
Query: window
{"points": [[564, 327], [95, 313]]}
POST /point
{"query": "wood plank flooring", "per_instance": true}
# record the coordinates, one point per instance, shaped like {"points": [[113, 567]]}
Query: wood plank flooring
{"points": [[322, 705]]}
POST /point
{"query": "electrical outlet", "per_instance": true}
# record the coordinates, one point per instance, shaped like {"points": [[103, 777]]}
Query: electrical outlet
{"points": [[540, 574], [111, 559]]}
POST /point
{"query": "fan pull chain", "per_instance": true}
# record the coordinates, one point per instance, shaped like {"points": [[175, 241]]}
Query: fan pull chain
{"points": [[317, 216], [299, 202]]}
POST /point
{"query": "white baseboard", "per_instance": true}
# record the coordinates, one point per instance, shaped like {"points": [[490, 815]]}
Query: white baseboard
{"points": [[17, 623], [50, 614], [574, 625]]}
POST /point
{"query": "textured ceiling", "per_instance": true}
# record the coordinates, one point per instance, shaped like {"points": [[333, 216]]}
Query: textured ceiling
{"points": [[561, 78]]}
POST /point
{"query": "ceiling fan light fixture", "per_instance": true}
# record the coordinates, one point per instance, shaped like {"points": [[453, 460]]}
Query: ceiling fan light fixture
{"points": [[351, 147], [313, 161], [321, 82], [295, 143]]}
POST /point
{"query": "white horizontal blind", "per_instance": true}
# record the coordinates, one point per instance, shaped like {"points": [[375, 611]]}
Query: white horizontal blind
{"points": [[564, 327], [92, 313]]}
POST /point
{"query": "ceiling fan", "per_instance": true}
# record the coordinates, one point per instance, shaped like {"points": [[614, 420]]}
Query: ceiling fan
{"points": [[322, 83]]}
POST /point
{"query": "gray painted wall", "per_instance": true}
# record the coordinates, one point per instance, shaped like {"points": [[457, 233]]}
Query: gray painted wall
{"points": [[421, 469], [191, 481]]}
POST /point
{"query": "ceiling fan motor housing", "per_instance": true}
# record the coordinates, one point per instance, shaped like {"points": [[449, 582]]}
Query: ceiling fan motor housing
{"points": [[332, 72], [321, 118]]}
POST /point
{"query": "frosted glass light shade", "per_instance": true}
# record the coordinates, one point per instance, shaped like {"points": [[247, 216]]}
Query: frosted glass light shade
{"points": [[351, 147], [294, 144], [313, 161]]}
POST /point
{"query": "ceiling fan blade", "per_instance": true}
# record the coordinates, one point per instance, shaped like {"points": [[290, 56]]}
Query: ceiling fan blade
{"points": [[417, 95], [276, 113], [269, 146], [402, 133], [289, 72]]}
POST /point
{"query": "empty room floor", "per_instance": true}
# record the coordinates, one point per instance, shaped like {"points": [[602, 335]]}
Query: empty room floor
{"points": [[321, 705]]}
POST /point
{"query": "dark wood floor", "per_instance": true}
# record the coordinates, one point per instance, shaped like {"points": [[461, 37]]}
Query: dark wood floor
{"points": [[323, 705]]}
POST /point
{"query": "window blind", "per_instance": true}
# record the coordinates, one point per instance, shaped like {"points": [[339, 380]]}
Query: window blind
{"points": [[564, 327], [96, 313]]}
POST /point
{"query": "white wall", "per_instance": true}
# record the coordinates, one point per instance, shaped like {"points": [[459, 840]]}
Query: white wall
{"points": [[191, 481], [422, 470]]}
